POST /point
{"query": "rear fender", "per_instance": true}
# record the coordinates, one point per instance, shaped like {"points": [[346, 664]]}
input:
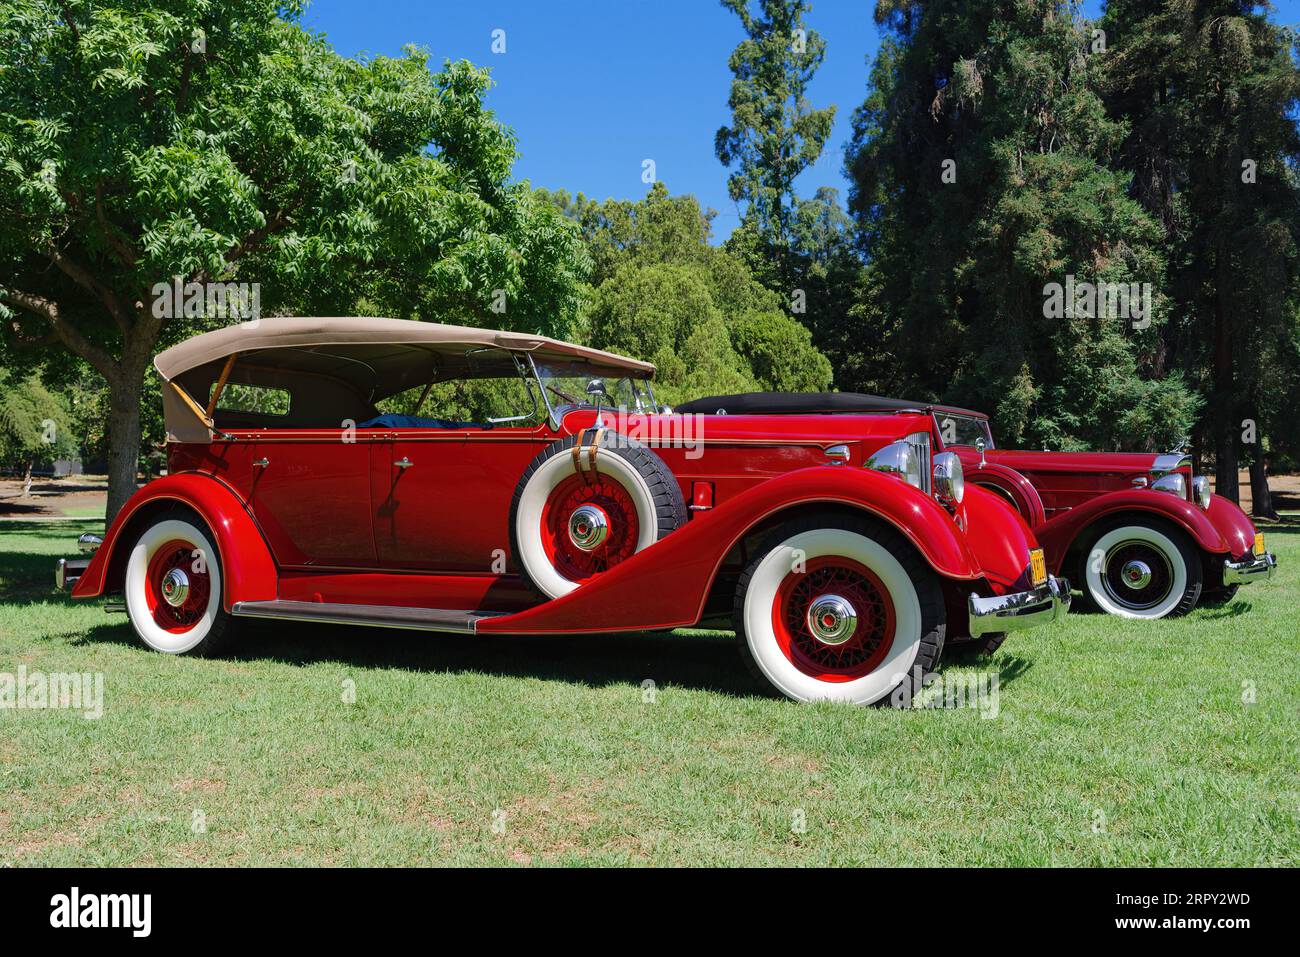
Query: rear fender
{"points": [[1062, 533], [666, 585], [248, 572]]}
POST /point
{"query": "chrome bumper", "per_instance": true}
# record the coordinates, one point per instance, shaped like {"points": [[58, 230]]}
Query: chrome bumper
{"points": [[68, 572], [1023, 609], [1250, 570]]}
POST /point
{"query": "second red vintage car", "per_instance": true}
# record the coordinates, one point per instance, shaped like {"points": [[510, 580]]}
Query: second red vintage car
{"points": [[1141, 535], [405, 474]]}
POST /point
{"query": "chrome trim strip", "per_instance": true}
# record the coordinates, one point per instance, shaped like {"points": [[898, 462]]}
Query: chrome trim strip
{"points": [[1250, 570], [1043, 605], [370, 616]]}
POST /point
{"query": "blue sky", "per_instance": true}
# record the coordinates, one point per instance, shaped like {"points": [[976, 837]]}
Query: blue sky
{"points": [[594, 88]]}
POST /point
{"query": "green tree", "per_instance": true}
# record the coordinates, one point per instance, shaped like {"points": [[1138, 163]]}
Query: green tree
{"points": [[33, 424], [662, 292], [1209, 92], [775, 134], [982, 184], [215, 141]]}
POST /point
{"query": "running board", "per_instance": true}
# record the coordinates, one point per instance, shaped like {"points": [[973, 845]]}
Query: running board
{"points": [[370, 616]]}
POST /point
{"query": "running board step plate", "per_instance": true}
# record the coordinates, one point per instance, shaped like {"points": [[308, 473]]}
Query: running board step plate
{"points": [[371, 616]]}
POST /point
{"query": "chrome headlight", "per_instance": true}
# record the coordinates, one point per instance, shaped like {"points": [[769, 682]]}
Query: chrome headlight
{"points": [[1201, 491], [949, 479], [1174, 483], [901, 459]]}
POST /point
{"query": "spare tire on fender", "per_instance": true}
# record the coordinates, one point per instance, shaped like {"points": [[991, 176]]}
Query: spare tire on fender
{"points": [[586, 503]]}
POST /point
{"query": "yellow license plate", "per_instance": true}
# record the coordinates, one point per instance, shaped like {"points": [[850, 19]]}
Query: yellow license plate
{"points": [[1037, 566], [1259, 543]]}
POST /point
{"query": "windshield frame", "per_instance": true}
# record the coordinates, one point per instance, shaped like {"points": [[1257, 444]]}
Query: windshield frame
{"points": [[638, 386], [980, 421]]}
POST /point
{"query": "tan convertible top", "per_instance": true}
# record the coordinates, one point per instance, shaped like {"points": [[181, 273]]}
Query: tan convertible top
{"points": [[337, 369], [362, 330]]}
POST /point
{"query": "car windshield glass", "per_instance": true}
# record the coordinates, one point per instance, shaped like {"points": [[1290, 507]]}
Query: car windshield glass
{"points": [[569, 383], [963, 429]]}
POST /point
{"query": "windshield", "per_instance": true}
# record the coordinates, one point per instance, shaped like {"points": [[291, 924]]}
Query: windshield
{"points": [[963, 429], [567, 383]]}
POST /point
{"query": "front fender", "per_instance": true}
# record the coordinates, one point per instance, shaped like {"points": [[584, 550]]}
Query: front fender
{"points": [[1059, 533], [1233, 524], [999, 538], [1018, 488], [248, 572], [667, 584]]}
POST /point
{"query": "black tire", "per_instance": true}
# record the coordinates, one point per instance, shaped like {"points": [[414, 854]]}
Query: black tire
{"points": [[922, 578], [668, 504], [1090, 569], [220, 629], [977, 647], [1218, 597]]}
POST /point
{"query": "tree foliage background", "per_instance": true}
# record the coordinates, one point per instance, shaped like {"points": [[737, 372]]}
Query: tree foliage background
{"points": [[1000, 146]]}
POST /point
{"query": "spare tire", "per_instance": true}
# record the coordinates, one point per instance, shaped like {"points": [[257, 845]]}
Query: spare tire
{"points": [[586, 503]]}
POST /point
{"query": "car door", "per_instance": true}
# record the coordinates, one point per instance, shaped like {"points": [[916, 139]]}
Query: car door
{"points": [[310, 492], [442, 496]]}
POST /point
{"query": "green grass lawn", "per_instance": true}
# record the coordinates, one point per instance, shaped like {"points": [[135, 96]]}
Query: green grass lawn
{"points": [[1115, 742]]}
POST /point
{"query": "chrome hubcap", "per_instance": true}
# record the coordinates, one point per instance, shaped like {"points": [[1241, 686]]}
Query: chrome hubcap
{"points": [[1136, 574], [588, 527], [175, 587], [832, 620]]}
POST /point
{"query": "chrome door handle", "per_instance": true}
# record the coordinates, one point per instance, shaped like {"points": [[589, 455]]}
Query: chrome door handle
{"points": [[403, 463], [261, 463]]}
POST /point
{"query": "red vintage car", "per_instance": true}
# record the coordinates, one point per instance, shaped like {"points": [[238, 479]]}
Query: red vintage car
{"points": [[1142, 535], [413, 475]]}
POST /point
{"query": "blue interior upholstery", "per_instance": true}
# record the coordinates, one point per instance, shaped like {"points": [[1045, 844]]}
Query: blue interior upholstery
{"points": [[392, 420]]}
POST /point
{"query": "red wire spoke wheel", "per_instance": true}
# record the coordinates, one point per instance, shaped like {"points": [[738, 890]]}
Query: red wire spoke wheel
{"points": [[172, 586], [588, 526], [834, 620], [576, 517], [841, 608], [177, 585]]}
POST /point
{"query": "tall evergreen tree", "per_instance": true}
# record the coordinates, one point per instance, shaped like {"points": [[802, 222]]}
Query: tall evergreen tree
{"points": [[1209, 89], [775, 134], [982, 188]]}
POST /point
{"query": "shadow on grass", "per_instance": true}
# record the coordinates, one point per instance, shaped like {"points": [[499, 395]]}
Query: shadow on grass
{"points": [[703, 662], [1234, 609], [693, 661]]}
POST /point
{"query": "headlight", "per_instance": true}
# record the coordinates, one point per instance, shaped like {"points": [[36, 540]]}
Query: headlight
{"points": [[1174, 483], [901, 459], [949, 480], [1201, 491]]}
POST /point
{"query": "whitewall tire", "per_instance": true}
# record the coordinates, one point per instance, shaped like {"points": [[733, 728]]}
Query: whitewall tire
{"points": [[840, 609], [173, 587], [1141, 571], [568, 525]]}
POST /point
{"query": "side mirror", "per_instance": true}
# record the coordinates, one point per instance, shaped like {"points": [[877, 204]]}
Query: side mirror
{"points": [[596, 387], [980, 446]]}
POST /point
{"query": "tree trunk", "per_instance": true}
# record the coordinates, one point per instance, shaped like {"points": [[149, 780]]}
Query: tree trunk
{"points": [[1224, 399], [123, 440], [1261, 500]]}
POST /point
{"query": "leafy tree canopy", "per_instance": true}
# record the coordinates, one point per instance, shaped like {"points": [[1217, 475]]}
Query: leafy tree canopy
{"points": [[212, 141], [661, 292]]}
